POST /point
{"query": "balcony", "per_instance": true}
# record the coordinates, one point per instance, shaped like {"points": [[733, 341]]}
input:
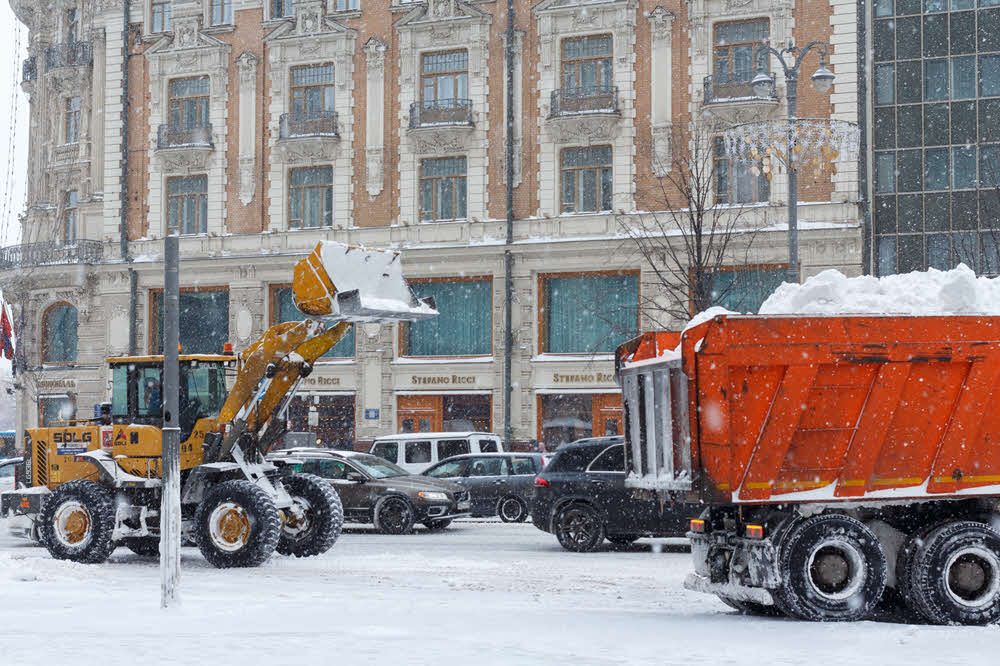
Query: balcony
{"points": [[727, 89], [50, 253], [584, 99], [441, 113], [323, 123], [68, 54], [182, 148]]}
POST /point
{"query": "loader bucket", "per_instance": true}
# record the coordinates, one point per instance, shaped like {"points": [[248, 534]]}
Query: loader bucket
{"points": [[338, 282]]}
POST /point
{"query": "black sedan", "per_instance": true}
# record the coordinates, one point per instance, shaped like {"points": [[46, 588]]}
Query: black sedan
{"points": [[581, 498], [500, 483]]}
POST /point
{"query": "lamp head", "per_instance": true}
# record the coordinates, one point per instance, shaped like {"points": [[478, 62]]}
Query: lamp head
{"points": [[762, 84], [823, 78]]}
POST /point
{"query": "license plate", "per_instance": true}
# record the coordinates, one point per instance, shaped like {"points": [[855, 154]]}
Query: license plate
{"points": [[465, 504]]}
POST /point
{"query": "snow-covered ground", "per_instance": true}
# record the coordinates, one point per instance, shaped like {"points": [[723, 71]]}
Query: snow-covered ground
{"points": [[480, 592]]}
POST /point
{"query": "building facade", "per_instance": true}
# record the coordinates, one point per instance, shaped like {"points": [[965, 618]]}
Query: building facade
{"points": [[256, 128]]}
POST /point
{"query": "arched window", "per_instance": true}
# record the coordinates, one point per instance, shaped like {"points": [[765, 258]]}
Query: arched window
{"points": [[59, 334]]}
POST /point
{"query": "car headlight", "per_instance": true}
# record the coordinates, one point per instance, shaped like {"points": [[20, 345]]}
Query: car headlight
{"points": [[432, 496]]}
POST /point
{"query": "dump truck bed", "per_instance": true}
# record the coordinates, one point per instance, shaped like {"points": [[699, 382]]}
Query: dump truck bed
{"points": [[817, 409]]}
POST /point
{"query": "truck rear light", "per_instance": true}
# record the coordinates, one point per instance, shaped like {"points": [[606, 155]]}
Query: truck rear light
{"points": [[697, 525], [754, 531], [540, 482]]}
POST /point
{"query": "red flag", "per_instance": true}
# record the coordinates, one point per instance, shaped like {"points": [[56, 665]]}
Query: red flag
{"points": [[6, 335]]}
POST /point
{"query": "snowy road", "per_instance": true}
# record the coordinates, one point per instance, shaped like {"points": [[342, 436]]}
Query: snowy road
{"points": [[487, 593]]}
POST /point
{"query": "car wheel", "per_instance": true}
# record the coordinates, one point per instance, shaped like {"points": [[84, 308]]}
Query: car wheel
{"points": [[622, 539], [512, 510], [579, 528], [237, 525], [437, 525], [394, 515], [313, 523], [77, 522]]}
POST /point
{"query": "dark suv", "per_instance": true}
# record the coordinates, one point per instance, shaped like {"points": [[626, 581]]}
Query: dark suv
{"points": [[500, 483], [581, 498]]}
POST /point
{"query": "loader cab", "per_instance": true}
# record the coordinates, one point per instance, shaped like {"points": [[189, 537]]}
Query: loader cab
{"points": [[137, 389]]}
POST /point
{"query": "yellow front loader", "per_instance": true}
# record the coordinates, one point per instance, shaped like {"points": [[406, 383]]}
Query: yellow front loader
{"points": [[104, 475]]}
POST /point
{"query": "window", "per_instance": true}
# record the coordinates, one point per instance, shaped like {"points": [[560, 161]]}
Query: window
{"points": [[386, 450], [418, 452], [989, 75], [885, 172], [586, 64], [444, 79], [612, 459], [448, 448], [937, 174], [310, 198], [334, 418], [71, 121], [963, 77], [281, 9], [736, 182], [935, 80], [488, 467], [187, 205], [442, 189], [347, 5], [989, 166], [312, 91], [448, 470], [590, 314], [735, 44], [586, 179], [283, 309], [160, 12], [72, 25], [150, 399], [464, 327], [487, 446], [885, 84], [71, 217], [188, 105], [523, 466], [59, 334], [204, 321], [744, 289], [222, 12], [55, 408], [963, 159], [566, 418]]}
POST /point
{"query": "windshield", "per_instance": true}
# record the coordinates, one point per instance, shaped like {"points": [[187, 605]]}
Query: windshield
{"points": [[376, 467], [206, 388]]}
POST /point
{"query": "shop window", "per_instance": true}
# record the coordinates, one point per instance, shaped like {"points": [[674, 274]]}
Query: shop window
{"points": [[312, 91], [59, 334], [222, 12], [160, 12], [586, 179], [310, 198], [736, 181], [745, 288], [187, 205], [335, 424], [204, 321], [71, 120], [465, 325], [588, 314], [466, 413], [567, 417], [55, 408], [71, 217], [735, 46], [443, 194], [283, 309]]}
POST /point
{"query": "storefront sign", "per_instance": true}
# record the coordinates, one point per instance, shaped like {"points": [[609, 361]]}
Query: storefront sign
{"points": [[57, 383], [588, 378], [443, 380], [322, 381]]}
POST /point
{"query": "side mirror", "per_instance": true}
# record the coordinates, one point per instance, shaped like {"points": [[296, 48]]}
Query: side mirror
{"points": [[357, 477]]}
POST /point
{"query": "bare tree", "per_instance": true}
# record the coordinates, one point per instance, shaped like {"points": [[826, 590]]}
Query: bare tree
{"points": [[698, 232]]}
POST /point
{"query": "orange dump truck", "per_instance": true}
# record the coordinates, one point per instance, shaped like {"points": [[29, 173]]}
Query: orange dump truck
{"points": [[842, 460]]}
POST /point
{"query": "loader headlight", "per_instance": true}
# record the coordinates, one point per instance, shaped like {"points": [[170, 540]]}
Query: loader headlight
{"points": [[432, 496]]}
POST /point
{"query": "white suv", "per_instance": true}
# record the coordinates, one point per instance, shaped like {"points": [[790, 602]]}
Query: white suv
{"points": [[417, 451]]}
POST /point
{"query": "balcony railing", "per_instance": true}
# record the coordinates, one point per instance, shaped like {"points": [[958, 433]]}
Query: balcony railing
{"points": [[179, 136], [440, 112], [584, 99], [52, 252], [68, 54], [29, 69], [293, 125], [729, 89]]}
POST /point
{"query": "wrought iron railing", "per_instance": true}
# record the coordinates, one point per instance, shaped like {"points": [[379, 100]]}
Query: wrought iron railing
{"points": [[322, 123], [178, 136], [730, 88], [584, 99], [433, 112], [29, 69], [69, 54], [52, 252]]}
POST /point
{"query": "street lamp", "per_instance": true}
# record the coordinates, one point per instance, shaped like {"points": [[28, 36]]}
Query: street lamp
{"points": [[762, 84]]}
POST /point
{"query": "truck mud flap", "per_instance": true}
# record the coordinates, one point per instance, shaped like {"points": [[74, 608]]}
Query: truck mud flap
{"points": [[759, 595]]}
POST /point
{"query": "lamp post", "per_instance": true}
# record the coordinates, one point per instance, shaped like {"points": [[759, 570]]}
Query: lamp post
{"points": [[762, 84]]}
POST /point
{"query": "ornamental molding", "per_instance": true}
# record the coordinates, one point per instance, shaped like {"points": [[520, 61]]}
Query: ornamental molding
{"points": [[308, 150], [184, 161], [247, 63], [441, 140], [661, 24], [662, 157], [584, 130], [374, 50]]}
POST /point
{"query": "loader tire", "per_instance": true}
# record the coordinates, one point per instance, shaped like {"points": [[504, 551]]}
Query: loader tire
{"points": [[954, 574], [237, 525], [833, 569], [321, 521], [77, 522], [143, 546]]}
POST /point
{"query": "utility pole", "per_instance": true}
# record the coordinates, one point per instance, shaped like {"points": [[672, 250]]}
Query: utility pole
{"points": [[170, 501], [508, 259]]}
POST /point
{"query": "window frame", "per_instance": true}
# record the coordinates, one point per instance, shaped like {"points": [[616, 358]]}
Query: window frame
{"points": [[403, 329], [203, 102], [286, 4], [434, 76], [454, 189], [274, 308], [162, 11], [69, 397], [577, 61], [71, 216], [199, 198], [152, 331], [542, 315], [732, 167], [590, 468], [222, 6], [71, 120], [730, 48], [304, 88], [736, 269], [300, 190], [72, 25], [45, 334], [598, 179]]}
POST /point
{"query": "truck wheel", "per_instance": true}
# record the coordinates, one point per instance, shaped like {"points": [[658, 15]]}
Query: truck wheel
{"points": [[77, 522], [579, 528], [955, 574], [512, 510], [833, 568], [237, 525], [314, 523], [394, 515], [143, 546]]}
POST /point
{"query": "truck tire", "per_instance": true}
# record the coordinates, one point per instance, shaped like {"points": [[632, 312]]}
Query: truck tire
{"points": [[579, 528], [237, 525], [77, 522], [832, 568], [394, 515], [322, 520], [143, 546], [954, 574]]}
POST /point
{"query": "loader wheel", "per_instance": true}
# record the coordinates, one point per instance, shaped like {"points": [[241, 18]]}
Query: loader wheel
{"points": [[833, 568], [143, 546], [77, 522], [954, 574], [314, 521], [237, 525]]}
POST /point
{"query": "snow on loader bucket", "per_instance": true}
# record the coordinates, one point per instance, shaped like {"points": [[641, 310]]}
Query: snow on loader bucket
{"points": [[339, 282]]}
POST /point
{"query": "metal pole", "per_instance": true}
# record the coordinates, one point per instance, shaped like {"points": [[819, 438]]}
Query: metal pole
{"points": [[791, 80], [508, 259], [170, 502]]}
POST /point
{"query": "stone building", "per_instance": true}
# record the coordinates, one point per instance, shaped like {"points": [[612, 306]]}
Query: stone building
{"points": [[256, 128]]}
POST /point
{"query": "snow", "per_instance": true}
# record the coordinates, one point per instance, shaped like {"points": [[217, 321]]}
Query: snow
{"points": [[482, 592]]}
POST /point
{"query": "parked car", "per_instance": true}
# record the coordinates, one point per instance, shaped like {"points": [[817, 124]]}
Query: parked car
{"points": [[581, 497], [417, 451], [7, 469], [373, 490], [500, 483]]}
